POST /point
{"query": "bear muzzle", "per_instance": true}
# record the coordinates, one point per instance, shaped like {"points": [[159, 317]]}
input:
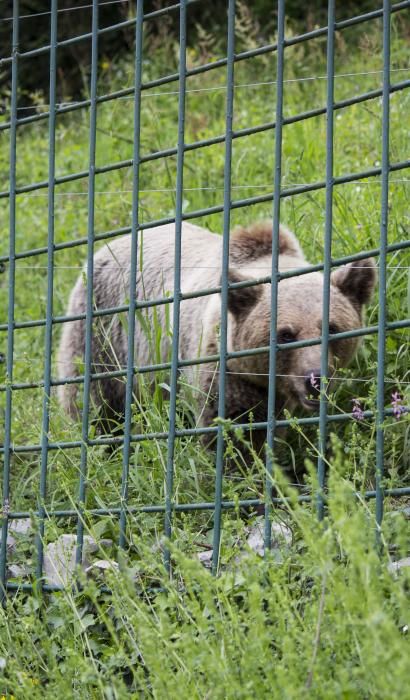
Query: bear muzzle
{"points": [[309, 397]]}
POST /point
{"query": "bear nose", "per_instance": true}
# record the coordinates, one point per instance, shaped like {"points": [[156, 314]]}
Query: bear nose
{"points": [[312, 383]]}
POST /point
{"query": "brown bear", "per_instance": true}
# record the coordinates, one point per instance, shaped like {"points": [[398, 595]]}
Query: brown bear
{"points": [[299, 318]]}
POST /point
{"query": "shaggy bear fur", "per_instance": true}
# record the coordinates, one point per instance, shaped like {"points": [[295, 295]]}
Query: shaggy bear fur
{"points": [[299, 318]]}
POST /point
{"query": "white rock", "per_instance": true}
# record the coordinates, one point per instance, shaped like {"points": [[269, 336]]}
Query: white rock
{"points": [[17, 571], [11, 543], [255, 540], [20, 526], [59, 558], [103, 565], [395, 566], [280, 533], [206, 557]]}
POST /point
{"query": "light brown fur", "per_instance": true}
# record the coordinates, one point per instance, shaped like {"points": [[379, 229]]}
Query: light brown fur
{"points": [[299, 318]]}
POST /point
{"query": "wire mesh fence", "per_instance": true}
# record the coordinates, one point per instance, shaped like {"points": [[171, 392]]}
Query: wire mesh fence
{"points": [[39, 439]]}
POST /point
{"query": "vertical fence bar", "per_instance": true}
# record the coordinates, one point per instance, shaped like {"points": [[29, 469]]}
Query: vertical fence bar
{"points": [[327, 259], [381, 339], [90, 278], [11, 300], [169, 479], [220, 443], [274, 272], [50, 288], [133, 270]]}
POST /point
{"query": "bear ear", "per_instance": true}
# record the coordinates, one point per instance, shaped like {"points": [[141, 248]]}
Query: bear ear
{"points": [[242, 299], [356, 280], [256, 240]]}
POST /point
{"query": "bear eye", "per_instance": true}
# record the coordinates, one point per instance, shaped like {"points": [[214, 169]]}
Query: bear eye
{"points": [[285, 335], [333, 329]]}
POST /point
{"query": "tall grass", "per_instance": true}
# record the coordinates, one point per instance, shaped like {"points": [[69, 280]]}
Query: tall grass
{"points": [[327, 617]]}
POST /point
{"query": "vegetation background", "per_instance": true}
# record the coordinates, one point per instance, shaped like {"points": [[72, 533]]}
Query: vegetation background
{"points": [[325, 615], [202, 16]]}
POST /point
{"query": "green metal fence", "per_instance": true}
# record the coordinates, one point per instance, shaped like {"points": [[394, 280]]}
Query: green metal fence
{"points": [[14, 124]]}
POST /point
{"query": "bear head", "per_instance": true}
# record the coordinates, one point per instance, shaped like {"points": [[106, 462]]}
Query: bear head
{"points": [[299, 318]]}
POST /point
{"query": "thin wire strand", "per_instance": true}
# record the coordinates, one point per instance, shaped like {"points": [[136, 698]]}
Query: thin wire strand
{"points": [[107, 365], [198, 267], [65, 9], [198, 189], [223, 87]]}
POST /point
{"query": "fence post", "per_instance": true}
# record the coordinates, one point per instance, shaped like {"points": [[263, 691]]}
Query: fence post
{"points": [[50, 290], [223, 332], [11, 302], [327, 260], [169, 479], [271, 418], [381, 334], [90, 281], [133, 270]]}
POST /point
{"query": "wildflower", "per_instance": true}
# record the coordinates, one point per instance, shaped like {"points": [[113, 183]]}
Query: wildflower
{"points": [[357, 411], [398, 408], [313, 381]]}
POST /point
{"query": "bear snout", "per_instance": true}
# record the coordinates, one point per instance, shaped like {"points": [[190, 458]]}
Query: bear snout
{"points": [[310, 396], [312, 383]]}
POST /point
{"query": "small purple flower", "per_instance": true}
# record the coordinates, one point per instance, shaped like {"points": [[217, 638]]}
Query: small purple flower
{"points": [[313, 381], [398, 408], [357, 411]]}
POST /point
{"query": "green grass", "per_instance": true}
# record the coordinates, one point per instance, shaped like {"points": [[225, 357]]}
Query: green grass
{"points": [[328, 619]]}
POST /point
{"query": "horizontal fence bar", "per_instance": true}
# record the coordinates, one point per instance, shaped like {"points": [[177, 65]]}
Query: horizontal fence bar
{"points": [[170, 152], [393, 247], [55, 588], [369, 330], [104, 30], [165, 80], [184, 508], [192, 432], [238, 204], [127, 93], [192, 507], [31, 587]]}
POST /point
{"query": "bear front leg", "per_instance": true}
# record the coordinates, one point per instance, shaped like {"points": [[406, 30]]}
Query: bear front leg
{"points": [[243, 401]]}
